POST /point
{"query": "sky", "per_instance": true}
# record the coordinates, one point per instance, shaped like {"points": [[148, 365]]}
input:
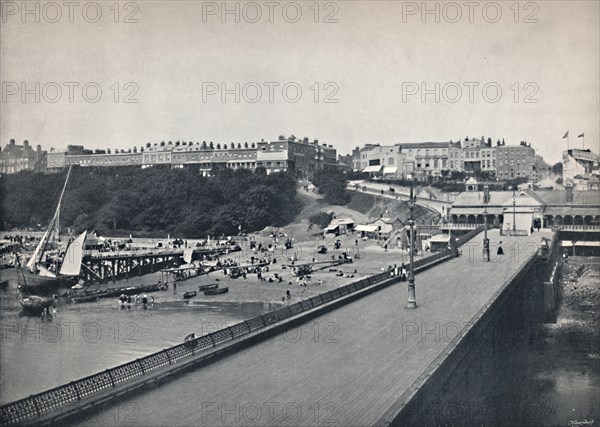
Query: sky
{"points": [[117, 75]]}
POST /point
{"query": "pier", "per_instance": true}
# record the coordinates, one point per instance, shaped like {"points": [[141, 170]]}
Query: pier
{"points": [[368, 361], [105, 266]]}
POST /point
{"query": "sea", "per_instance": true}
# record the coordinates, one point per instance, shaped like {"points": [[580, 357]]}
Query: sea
{"points": [[551, 379]]}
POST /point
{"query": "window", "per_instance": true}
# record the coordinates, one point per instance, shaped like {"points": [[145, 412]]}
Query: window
{"points": [[391, 161]]}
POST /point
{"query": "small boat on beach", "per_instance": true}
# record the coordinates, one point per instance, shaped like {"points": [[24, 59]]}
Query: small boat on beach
{"points": [[216, 291], [190, 294], [209, 286], [35, 305], [89, 296]]}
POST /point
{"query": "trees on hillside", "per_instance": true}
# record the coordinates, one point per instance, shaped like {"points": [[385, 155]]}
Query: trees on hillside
{"points": [[332, 183], [557, 168], [153, 200], [322, 219]]}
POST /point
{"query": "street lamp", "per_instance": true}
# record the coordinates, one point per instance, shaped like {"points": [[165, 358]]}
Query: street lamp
{"points": [[514, 225], [412, 299], [486, 241]]}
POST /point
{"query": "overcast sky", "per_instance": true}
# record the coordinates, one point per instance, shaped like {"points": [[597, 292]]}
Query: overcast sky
{"points": [[371, 61]]}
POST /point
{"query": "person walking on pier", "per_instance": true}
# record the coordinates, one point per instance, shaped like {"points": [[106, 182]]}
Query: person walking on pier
{"points": [[403, 272], [500, 251]]}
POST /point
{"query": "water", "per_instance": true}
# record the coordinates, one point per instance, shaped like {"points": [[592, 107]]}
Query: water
{"points": [[553, 378], [550, 376], [82, 339]]}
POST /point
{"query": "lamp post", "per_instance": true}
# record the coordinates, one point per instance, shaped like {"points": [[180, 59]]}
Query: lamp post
{"points": [[486, 241], [514, 224], [412, 299]]}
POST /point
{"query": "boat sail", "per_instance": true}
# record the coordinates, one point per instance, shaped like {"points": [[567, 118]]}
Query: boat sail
{"points": [[71, 265], [36, 278]]}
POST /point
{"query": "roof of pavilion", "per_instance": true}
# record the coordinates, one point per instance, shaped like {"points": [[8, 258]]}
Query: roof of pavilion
{"points": [[556, 197], [475, 198]]}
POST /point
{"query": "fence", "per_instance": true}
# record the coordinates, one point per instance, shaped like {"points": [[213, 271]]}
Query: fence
{"points": [[391, 416], [35, 407]]}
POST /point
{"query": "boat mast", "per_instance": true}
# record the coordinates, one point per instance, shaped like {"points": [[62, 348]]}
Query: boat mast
{"points": [[57, 237], [55, 217]]}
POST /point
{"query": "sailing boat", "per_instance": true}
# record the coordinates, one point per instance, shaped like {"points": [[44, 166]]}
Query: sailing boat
{"points": [[36, 278]]}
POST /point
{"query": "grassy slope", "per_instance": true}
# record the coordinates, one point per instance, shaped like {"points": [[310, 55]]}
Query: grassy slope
{"points": [[362, 208]]}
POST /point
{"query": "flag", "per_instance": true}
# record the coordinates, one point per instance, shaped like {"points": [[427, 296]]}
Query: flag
{"points": [[566, 135], [581, 136]]}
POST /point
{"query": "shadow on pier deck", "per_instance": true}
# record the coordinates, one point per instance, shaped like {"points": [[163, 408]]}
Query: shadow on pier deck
{"points": [[321, 361]]}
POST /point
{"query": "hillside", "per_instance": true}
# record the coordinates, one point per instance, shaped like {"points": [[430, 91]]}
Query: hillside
{"points": [[362, 208], [150, 202]]}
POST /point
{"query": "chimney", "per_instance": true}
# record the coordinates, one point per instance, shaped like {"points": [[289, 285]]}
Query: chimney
{"points": [[569, 192]]}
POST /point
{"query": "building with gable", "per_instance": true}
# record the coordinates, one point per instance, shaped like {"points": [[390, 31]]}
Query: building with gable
{"points": [[15, 158]]}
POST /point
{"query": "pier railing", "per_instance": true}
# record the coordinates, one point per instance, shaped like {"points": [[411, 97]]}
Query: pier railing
{"points": [[472, 327], [38, 406]]}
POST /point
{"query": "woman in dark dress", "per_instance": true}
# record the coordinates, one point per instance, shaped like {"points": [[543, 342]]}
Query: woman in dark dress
{"points": [[500, 251]]}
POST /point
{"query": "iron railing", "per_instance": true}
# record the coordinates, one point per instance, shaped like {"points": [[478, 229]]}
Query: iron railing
{"points": [[37, 406]]}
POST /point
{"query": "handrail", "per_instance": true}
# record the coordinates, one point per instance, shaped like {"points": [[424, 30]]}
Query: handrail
{"points": [[29, 409], [388, 417]]}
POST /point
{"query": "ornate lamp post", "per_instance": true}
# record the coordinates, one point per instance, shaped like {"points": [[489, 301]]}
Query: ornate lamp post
{"points": [[514, 224], [412, 299], [486, 241]]}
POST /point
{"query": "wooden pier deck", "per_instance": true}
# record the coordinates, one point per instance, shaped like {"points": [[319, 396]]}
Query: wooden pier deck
{"points": [[344, 368]]}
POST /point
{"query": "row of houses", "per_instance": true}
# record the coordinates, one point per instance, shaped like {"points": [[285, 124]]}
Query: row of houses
{"points": [[434, 158], [305, 157]]}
